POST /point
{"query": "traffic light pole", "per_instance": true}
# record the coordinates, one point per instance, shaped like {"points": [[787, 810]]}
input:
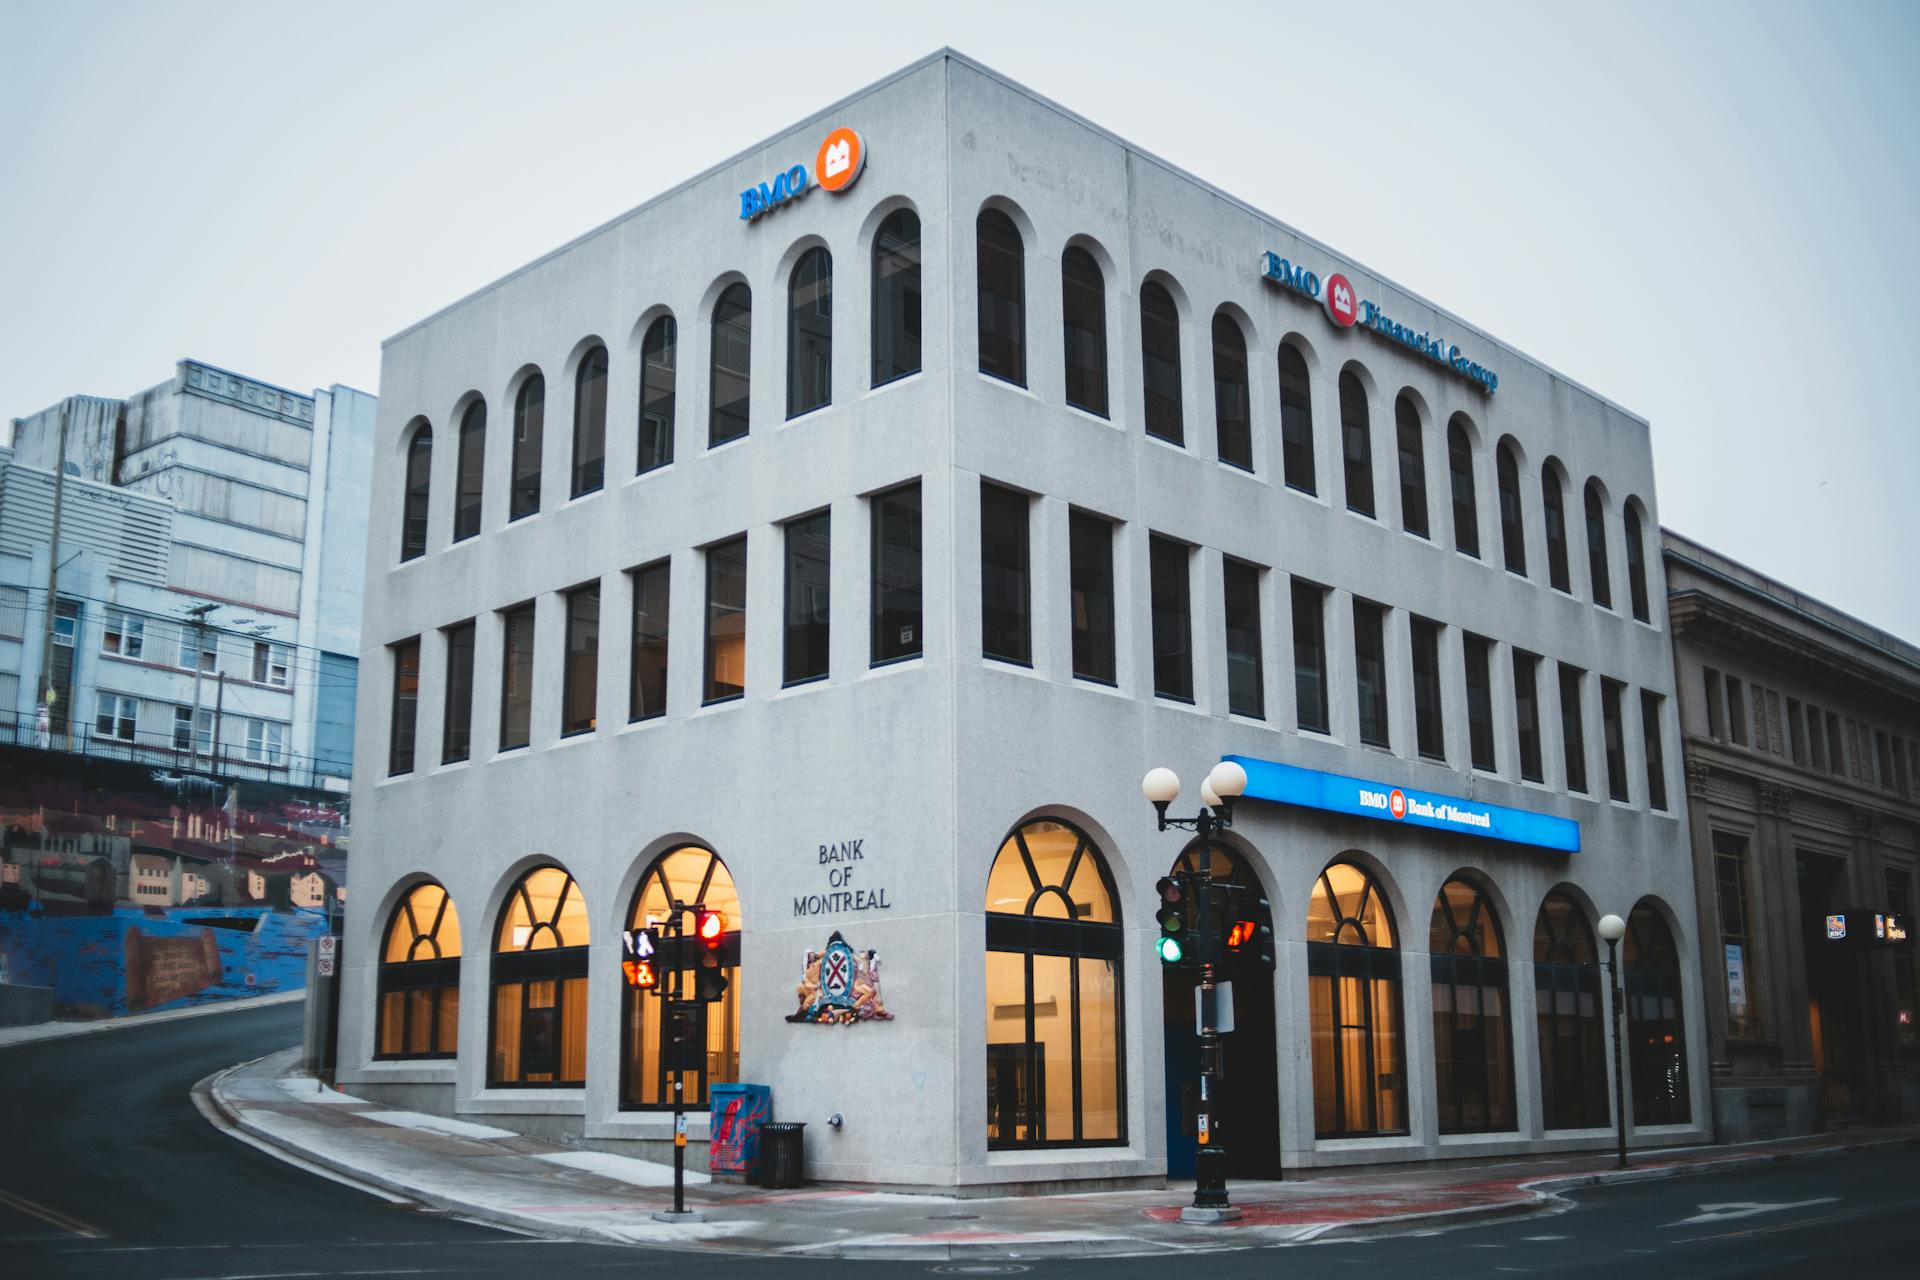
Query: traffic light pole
{"points": [[673, 1028]]}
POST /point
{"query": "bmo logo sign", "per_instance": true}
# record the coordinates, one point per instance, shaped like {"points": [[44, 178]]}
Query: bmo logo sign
{"points": [[1394, 802], [836, 165], [1343, 308]]}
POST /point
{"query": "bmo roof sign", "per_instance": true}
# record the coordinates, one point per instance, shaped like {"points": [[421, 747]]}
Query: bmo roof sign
{"points": [[838, 162], [1336, 793]]}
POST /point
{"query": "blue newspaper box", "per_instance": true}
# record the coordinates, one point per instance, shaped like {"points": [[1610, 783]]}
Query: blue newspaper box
{"points": [[738, 1111]]}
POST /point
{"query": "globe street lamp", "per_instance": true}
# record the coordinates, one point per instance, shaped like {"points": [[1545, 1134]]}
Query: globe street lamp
{"points": [[1223, 785], [1612, 929]]}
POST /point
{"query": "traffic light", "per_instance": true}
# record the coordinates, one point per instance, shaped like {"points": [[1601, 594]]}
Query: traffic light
{"points": [[709, 983], [640, 973], [708, 926], [1250, 932], [1172, 919]]}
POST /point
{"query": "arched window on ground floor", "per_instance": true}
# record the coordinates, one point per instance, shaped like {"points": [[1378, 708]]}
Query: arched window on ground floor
{"points": [[539, 981], [688, 876], [1656, 1021], [1472, 1032], [1566, 983], [1353, 996], [419, 978]]}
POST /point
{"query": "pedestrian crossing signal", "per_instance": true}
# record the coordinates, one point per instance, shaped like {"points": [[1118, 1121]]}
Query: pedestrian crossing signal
{"points": [[640, 973]]}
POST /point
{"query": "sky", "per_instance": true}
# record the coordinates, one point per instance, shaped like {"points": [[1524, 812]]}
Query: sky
{"points": [[1705, 212]]}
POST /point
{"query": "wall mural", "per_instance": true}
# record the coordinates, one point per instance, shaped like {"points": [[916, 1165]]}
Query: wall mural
{"points": [[126, 887], [840, 985]]}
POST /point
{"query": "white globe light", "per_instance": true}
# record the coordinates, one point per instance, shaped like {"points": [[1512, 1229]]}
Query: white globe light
{"points": [[1228, 779], [1612, 928], [1208, 796], [1160, 785]]}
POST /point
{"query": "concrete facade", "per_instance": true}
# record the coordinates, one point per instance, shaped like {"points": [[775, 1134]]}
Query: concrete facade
{"points": [[1802, 733], [210, 489], [932, 762]]}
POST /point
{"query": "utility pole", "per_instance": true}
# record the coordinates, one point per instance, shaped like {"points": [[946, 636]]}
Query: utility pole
{"points": [[198, 613], [47, 691]]}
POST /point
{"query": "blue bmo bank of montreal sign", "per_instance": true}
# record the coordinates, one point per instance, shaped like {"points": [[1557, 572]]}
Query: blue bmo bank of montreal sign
{"points": [[1336, 793]]}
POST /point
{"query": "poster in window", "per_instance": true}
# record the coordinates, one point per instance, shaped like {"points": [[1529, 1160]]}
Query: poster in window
{"points": [[537, 1042], [1736, 979]]}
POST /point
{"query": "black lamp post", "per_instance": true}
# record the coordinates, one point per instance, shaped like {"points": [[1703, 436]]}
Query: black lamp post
{"points": [[1612, 929], [1222, 786]]}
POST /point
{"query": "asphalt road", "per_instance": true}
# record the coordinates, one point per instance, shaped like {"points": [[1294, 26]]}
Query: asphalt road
{"points": [[107, 1170]]}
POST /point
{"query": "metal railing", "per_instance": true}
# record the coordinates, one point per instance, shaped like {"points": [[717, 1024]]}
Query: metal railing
{"points": [[232, 761]]}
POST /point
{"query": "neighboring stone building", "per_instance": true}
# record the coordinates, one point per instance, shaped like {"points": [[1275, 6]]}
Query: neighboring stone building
{"points": [[843, 553], [212, 547], [1802, 737]]}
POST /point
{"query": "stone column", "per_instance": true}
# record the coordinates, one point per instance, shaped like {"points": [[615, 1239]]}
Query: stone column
{"points": [[1777, 877]]}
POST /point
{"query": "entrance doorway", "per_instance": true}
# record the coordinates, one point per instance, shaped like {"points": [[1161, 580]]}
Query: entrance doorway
{"points": [[1248, 1114], [1835, 986]]}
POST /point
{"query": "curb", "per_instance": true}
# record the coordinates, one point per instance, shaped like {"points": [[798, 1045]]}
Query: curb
{"points": [[1544, 1197], [126, 1022]]}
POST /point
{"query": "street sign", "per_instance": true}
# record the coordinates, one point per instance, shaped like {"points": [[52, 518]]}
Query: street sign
{"points": [[328, 951], [1214, 1006]]}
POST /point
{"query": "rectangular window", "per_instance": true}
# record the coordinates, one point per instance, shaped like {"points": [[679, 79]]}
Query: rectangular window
{"points": [[1736, 712], [1906, 963], [1816, 739], [647, 691], [117, 717], [1370, 671], [1006, 630], [1610, 695], [456, 736], [185, 738], [1090, 553], [1172, 622], [580, 677], [1796, 733], [13, 612], [726, 620], [1716, 704], [270, 663], [1429, 723], [406, 706], [1526, 713], [896, 575], [1573, 731], [516, 677], [808, 566], [1883, 752], [125, 634], [198, 652], [1742, 972], [1836, 752], [1310, 656], [1650, 704], [265, 740], [1479, 662], [1246, 672]]}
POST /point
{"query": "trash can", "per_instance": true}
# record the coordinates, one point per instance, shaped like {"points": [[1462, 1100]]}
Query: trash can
{"points": [[737, 1114], [782, 1155]]}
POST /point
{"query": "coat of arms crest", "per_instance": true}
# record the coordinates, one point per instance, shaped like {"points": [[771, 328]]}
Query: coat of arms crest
{"points": [[840, 985]]}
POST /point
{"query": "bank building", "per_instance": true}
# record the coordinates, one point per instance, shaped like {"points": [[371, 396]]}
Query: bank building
{"points": [[838, 538]]}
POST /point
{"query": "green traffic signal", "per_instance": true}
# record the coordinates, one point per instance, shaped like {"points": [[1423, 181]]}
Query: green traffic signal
{"points": [[1170, 950]]}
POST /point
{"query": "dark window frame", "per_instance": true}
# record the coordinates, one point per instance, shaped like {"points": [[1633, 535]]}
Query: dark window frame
{"points": [[1232, 394], [645, 677], [1410, 436], [1161, 389], [1526, 715], [437, 975], [580, 628], [730, 335], [1429, 691], [1090, 586], [1240, 589], [889, 592], [1365, 963], [810, 333], [1599, 574], [528, 444], [1370, 674], [404, 711], [1000, 260], [1296, 421], [456, 729], [1356, 445], [1513, 526], [1464, 491], [1483, 751], [1312, 712], [1171, 612], [806, 620], [417, 499], [1006, 574], [509, 619], [590, 423], [895, 322], [470, 479], [719, 561], [659, 392], [1083, 318], [1458, 962]]}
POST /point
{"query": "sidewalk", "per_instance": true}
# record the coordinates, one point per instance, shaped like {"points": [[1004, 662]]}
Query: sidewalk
{"points": [[499, 1177]]}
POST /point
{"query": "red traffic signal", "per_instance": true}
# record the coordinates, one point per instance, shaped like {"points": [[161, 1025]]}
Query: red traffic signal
{"points": [[1240, 931], [708, 926]]}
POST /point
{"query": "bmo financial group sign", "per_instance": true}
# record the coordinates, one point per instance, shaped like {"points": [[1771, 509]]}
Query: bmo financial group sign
{"points": [[837, 163]]}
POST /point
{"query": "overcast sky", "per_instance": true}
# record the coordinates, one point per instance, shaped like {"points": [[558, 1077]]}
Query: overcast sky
{"points": [[1708, 213]]}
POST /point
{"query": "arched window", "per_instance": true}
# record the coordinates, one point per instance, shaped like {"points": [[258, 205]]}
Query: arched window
{"points": [[1353, 996], [690, 875], [1413, 466], [1597, 548], [1054, 1066], [1656, 1021], [529, 432], [539, 983], [896, 297], [1513, 535], [590, 423], [471, 482], [413, 531], [1472, 1042], [732, 352], [1232, 399], [1466, 508], [1356, 443], [1001, 280], [1566, 984], [1296, 420], [1083, 309], [657, 356], [1636, 562], [810, 333], [419, 979], [1160, 362], [1553, 505]]}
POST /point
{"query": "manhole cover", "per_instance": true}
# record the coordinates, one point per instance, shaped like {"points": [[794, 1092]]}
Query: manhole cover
{"points": [[953, 1217]]}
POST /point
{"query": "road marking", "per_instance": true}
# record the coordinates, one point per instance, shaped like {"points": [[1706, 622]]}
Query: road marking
{"points": [[1543, 1237], [1743, 1209], [51, 1216]]}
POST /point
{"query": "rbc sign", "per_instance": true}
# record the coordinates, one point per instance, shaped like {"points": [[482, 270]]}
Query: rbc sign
{"points": [[841, 157]]}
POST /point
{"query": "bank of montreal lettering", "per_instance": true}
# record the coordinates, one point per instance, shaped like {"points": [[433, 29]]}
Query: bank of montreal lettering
{"points": [[1289, 784], [842, 155], [1337, 297], [842, 860]]}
